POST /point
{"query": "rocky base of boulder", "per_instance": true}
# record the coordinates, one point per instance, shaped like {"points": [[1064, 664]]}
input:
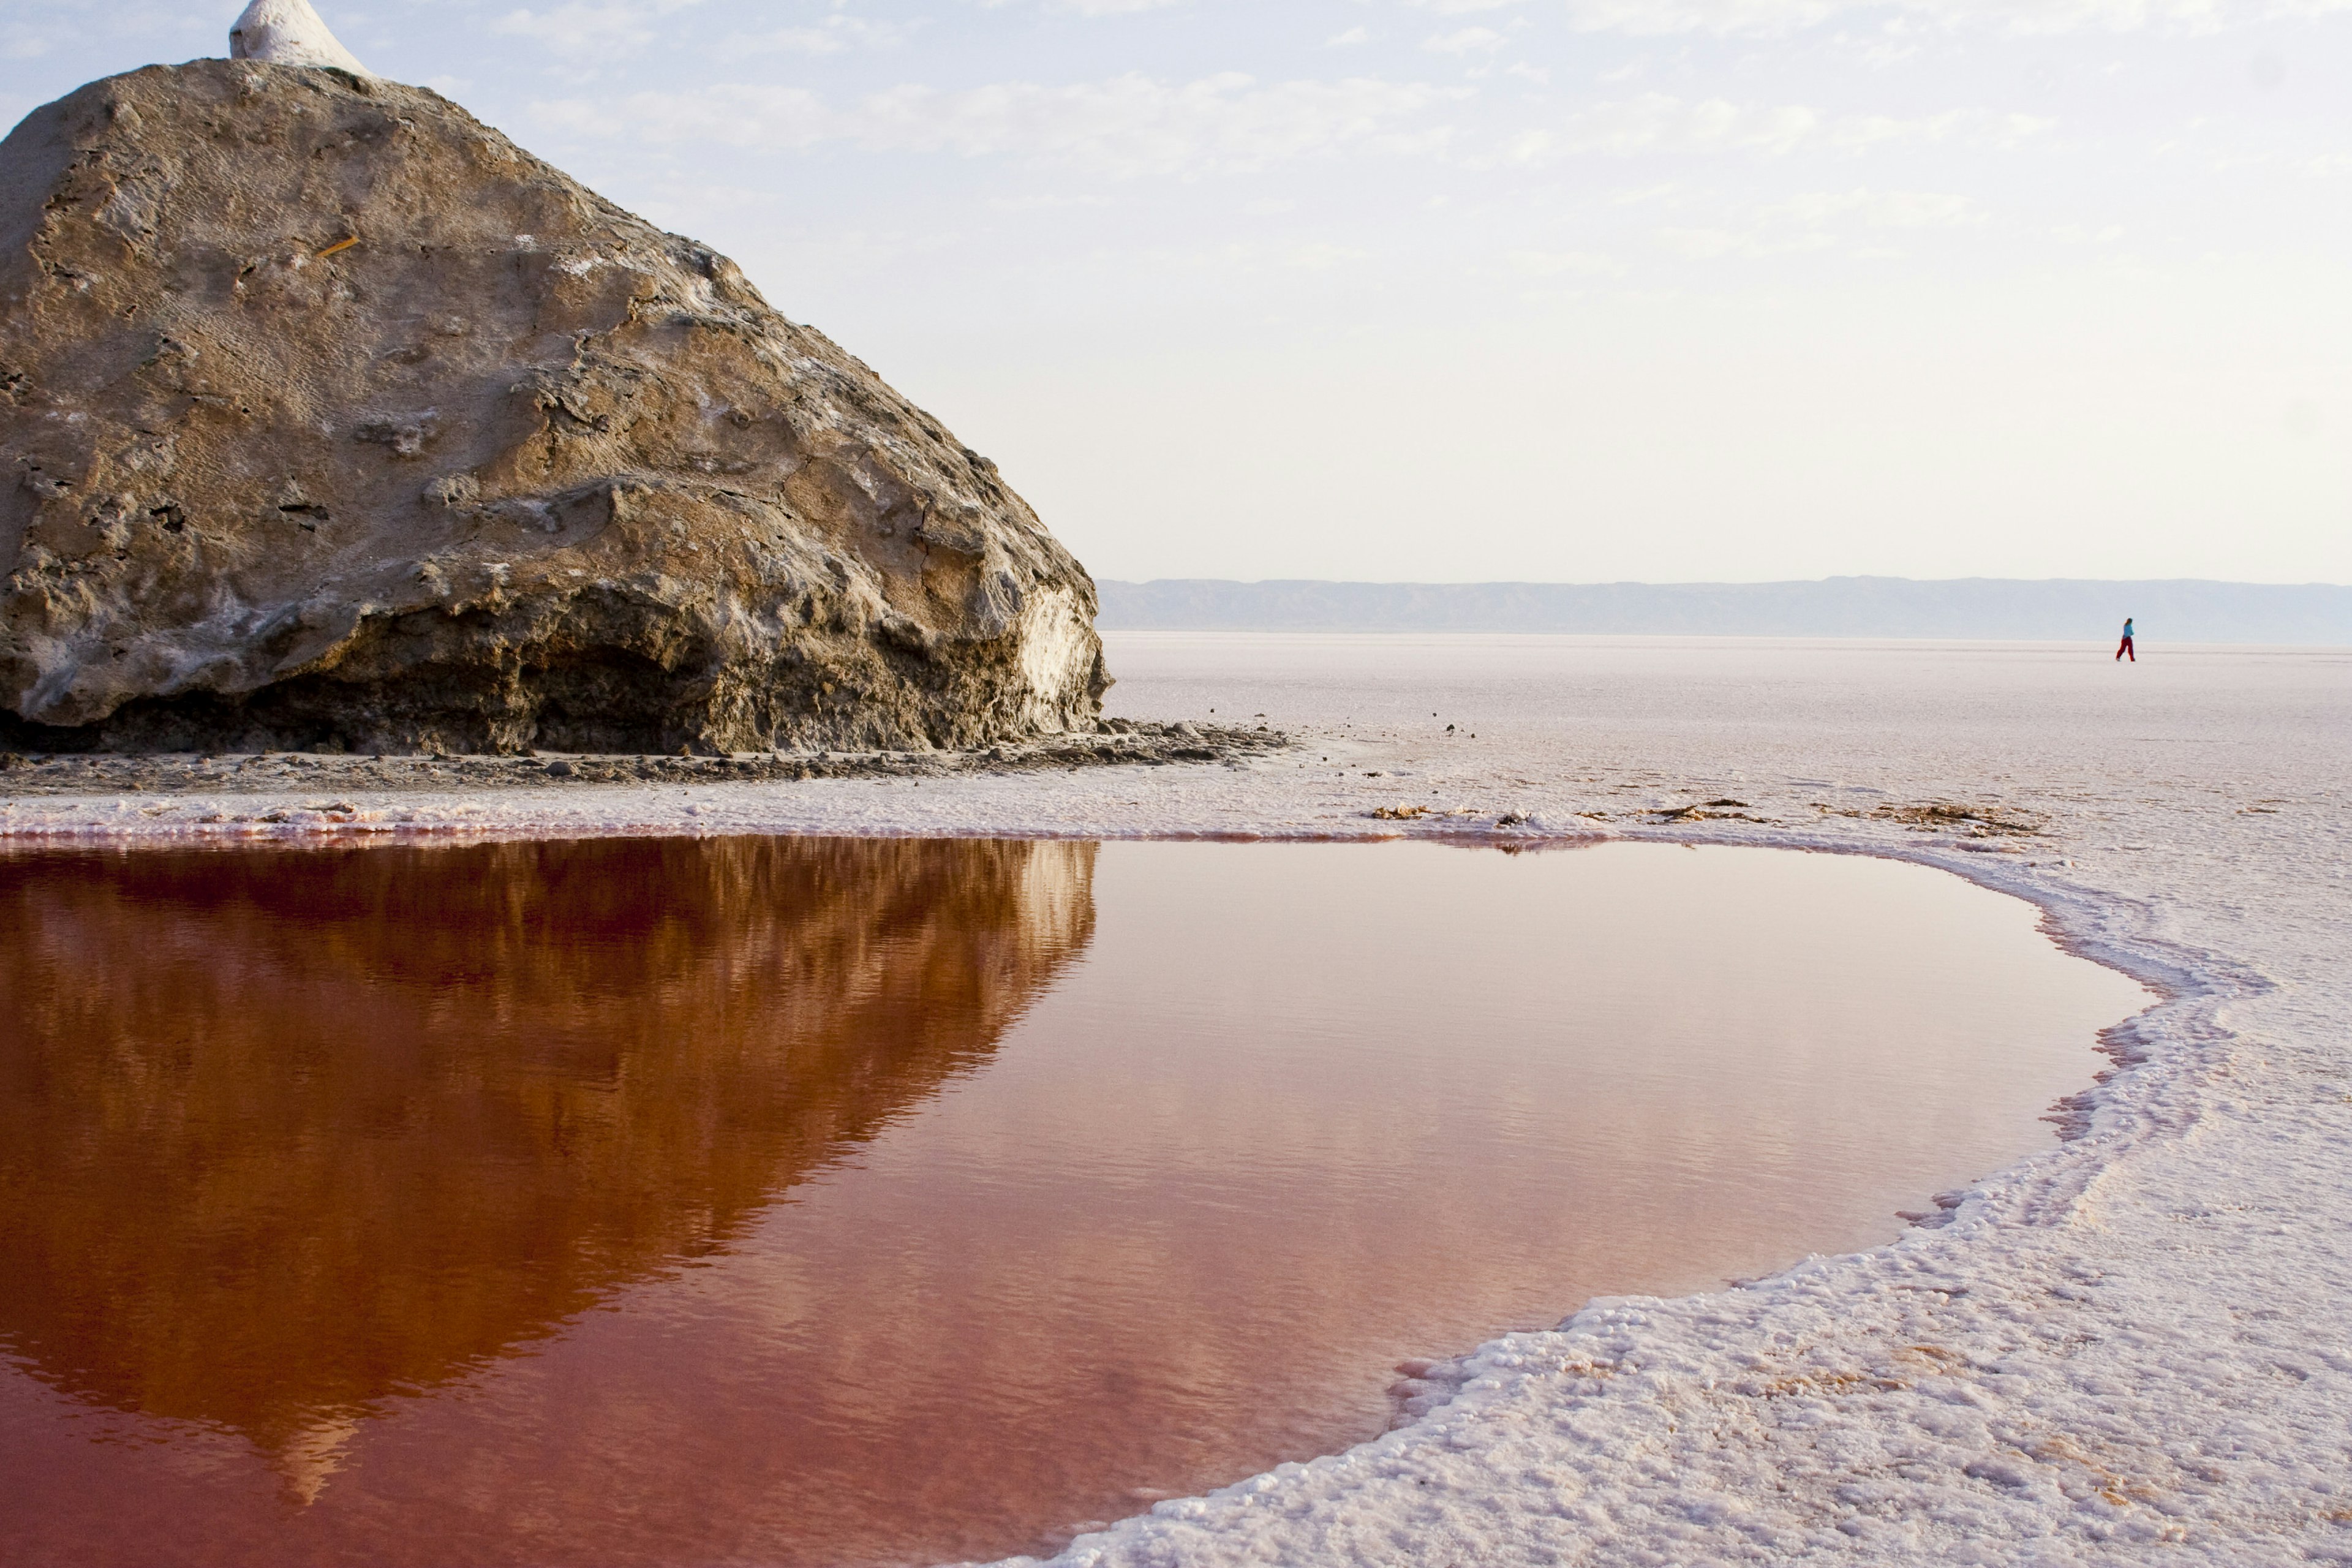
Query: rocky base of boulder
{"points": [[1118, 742], [492, 689]]}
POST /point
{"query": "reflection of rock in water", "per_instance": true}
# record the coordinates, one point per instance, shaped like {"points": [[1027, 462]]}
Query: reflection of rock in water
{"points": [[284, 1132]]}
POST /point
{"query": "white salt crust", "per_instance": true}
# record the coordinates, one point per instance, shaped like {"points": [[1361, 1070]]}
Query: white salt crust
{"points": [[2133, 1347], [289, 33]]}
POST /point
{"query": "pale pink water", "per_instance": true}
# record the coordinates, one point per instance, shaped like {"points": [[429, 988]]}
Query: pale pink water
{"points": [[862, 1200]]}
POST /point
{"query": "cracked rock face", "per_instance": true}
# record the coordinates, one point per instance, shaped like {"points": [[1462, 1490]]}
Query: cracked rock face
{"points": [[330, 419]]}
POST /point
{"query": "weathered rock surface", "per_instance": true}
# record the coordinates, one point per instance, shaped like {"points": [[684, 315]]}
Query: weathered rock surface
{"points": [[331, 420]]}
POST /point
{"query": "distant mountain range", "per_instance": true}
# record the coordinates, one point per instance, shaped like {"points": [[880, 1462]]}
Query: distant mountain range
{"points": [[2184, 610]]}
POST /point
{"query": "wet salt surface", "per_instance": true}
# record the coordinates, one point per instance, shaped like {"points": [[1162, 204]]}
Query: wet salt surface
{"points": [[855, 1201]]}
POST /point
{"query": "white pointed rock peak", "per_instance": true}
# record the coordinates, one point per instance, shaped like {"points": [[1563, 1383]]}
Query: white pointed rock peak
{"points": [[289, 33]]}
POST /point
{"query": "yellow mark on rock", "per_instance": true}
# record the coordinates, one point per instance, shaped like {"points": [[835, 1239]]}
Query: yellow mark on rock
{"points": [[339, 245]]}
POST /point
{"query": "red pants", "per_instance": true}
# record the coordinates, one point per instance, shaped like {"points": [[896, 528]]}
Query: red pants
{"points": [[2126, 648]]}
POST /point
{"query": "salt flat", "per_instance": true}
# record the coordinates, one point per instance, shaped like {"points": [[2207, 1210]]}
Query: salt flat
{"points": [[2138, 1339]]}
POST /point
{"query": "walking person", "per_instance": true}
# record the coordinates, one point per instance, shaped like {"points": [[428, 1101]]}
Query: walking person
{"points": [[2126, 645]]}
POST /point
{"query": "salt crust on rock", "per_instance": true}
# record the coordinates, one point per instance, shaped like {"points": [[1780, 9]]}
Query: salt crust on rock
{"points": [[287, 33], [333, 420]]}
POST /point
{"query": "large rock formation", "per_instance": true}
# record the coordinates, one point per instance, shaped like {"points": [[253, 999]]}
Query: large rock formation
{"points": [[331, 420]]}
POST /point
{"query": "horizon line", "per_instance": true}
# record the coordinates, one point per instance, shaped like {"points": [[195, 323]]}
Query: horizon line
{"points": [[1713, 582]]}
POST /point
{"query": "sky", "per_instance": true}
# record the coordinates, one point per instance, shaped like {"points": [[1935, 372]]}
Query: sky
{"points": [[1575, 291]]}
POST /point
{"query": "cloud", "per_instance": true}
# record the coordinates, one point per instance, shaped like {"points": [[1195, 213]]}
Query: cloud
{"points": [[1769, 17], [580, 29], [1349, 39], [1124, 126], [1247, 258], [1564, 264], [1317, 258], [1878, 209], [1711, 243], [1655, 17], [34, 29], [833, 34], [1819, 220], [1468, 40], [1660, 122], [1133, 125]]}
